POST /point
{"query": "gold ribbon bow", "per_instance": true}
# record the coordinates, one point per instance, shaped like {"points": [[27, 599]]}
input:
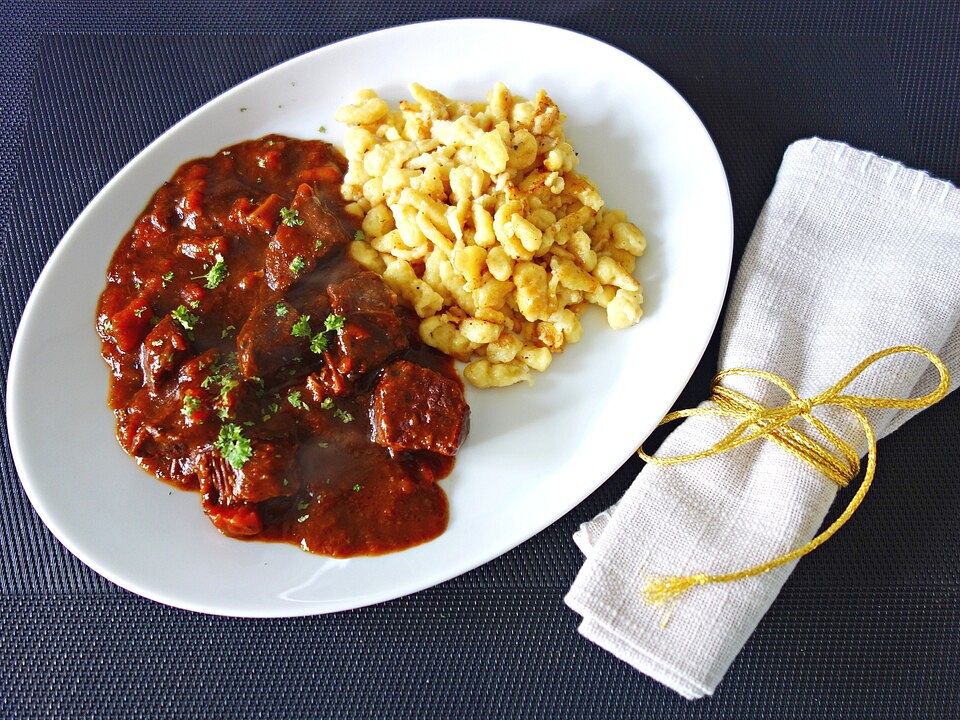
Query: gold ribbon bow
{"points": [[840, 465]]}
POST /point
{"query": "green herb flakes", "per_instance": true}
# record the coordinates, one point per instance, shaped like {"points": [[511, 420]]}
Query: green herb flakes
{"points": [[334, 322], [233, 446], [290, 217], [294, 398], [301, 328], [318, 343], [191, 404], [297, 265], [217, 273], [183, 316]]}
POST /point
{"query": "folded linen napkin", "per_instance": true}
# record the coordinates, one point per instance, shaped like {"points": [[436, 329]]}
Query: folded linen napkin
{"points": [[852, 253]]}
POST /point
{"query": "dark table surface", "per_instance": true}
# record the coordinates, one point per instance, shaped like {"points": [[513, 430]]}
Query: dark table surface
{"points": [[868, 627]]}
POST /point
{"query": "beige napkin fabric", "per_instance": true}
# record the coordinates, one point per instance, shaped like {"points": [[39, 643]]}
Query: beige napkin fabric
{"points": [[852, 253]]}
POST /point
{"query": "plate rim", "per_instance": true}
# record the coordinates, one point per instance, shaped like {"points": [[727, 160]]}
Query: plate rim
{"points": [[17, 363]]}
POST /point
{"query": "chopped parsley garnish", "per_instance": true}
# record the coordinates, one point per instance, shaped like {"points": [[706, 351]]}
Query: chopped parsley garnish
{"points": [[157, 343], [281, 310], [318, 245], [294, 399], [322, 128], [290, 217], [333, 322], [167, 278], [186, 318], [227, 330], [297, 265], [301, 328], [358, 487], [139, 312], [303, 505], [323, 444], [217, 273], [327, 403], [273, 408], [191, 403], [343, 416], [318, 343], [137, 283], [221, 375], [359, 235], [303, 518], [261, 162], [234, 447], [194, 304], [227, 384]]}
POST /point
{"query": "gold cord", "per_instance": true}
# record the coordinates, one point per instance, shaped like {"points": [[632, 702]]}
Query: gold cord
{"points": [[840, 465]]}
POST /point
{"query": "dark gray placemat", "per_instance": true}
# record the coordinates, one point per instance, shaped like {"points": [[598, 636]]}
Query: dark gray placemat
{"points": [[866, 627]]}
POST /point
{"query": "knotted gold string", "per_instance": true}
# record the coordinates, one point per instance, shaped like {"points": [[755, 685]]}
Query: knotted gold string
{"points": [[756, 421]]}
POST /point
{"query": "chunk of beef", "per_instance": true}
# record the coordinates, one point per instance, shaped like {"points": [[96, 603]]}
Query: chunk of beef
{"points": [[328, 381], [309, 299], [415, 408], [158, 440], [373, 333], [367, 341], [295, 249], [241, 520], [161, 350], [265, 343], [265, 215], [261, 477], [361, 293], [128, 327], [151, 437]]}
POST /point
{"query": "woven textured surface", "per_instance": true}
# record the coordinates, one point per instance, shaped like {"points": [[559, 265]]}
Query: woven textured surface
{"points": [[867, 627]]}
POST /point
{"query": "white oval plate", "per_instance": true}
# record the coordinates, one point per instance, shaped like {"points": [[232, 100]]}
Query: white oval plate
{"points": [[533, 452]]}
